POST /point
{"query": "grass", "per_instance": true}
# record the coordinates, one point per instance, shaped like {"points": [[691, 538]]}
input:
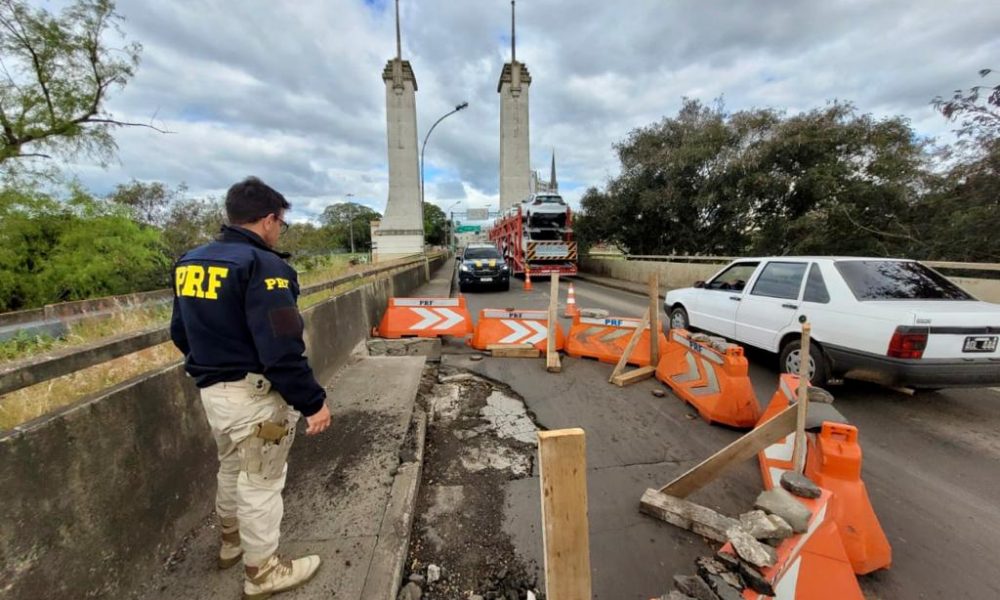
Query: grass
{"points": [[34, 401]]}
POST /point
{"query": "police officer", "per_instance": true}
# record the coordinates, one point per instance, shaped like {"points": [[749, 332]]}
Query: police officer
{"points": [[236, 321]]}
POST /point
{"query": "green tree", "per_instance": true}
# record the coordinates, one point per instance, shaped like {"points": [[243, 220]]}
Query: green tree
{"points": [[435, 224], [58, 71], [706, 181], [341, 217], [58, 250], [149, 203], [191, 222]]}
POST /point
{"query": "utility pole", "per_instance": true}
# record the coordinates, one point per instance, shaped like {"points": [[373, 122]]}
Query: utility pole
{"points": [[350, 206]]}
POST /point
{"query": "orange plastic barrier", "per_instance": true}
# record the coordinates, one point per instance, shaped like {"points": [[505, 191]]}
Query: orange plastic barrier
{"points": [[833, 462], [605, 339], [712, 377], [514, 327], [425, 317], [813, 564]]}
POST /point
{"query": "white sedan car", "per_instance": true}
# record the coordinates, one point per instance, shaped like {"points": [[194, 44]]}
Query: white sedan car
{"points": [[895, 322]]}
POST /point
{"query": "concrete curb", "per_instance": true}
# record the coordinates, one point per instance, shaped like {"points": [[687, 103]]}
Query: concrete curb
{"points": [[389, 557]]}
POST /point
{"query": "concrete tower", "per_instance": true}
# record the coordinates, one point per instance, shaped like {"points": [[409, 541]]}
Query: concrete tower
{"points": [[515, 151], [401, 231]]}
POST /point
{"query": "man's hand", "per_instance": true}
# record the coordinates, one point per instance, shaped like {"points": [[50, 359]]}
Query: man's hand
{"points": [[318, 422]]}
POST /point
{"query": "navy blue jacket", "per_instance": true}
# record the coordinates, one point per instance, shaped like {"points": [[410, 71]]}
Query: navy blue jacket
{"points": [[235, 313]]}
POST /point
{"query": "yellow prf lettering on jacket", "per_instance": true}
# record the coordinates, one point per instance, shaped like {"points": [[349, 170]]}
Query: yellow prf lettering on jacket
{"points": [[193, 282], [276, 283]]}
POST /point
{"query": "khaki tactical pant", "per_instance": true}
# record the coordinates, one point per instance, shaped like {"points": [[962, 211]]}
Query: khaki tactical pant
{"points": [[254, 429]]}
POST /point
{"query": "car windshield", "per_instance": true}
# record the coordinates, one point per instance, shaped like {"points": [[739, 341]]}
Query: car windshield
{"points": [[896, 280], [549, 199], [480, 253]]}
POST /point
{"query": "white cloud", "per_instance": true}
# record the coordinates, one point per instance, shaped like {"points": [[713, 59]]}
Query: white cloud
{"points": [[292, 92]]}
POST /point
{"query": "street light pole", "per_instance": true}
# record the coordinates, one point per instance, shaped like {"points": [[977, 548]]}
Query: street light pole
{"points": [[424, 145], [451, 226], [350, 206]]}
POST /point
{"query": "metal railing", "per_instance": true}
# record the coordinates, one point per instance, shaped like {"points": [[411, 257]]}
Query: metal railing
{"points": [[30, 371]]}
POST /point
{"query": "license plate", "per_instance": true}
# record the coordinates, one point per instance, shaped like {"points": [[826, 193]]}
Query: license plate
{"points": [[486, 279], [983, 343]]}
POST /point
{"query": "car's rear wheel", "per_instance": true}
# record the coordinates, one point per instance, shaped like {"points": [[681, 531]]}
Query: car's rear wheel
{"points": [[679, 318], [819, 367]]}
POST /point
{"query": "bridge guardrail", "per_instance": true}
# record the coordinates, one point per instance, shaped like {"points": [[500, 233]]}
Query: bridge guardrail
{"points": [[683, 270], [30, 371]]}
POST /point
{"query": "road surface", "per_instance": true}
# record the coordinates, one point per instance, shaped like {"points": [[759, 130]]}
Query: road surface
{"points": [[930, 465]]}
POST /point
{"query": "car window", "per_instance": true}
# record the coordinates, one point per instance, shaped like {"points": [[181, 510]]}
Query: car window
{"points": [[480, 253], [897, 280], [734, 278], [780, 280], [816, 287]]}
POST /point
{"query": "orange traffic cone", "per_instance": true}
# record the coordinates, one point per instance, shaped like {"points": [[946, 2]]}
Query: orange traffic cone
{"points": [[527, 280], [571, 309]]}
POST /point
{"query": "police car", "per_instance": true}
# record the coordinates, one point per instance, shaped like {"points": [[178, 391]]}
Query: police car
{"points": [[895, 322], [481, 265]]}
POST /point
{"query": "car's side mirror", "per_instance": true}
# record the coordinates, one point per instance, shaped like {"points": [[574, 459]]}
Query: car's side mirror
{"points": [[699, 284]]}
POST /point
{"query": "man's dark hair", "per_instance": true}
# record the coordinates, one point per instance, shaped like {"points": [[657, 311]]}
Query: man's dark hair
{"points": [[251, 200]]}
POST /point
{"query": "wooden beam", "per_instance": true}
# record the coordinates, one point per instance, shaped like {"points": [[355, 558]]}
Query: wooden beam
{"points": [[745, 447], [552, 363], [513, 350], [686, 515], [562, 465], [799, 449], [632, 343], [633, 376], [654, 319]]}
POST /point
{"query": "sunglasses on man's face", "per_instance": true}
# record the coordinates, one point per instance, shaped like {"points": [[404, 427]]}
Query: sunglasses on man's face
{"points": [[284, 225]]}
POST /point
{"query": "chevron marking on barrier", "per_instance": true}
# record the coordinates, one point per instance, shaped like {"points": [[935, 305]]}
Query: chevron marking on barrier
{"points": [[614, 335], [692, 373], [432, 318], [711, 386], [531, 332]]}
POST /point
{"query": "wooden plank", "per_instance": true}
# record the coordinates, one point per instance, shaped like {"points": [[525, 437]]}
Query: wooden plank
{"points": [[562, 465], [654, 318], [552, 362], [686, 515], [632, 343], [513, 350], [633, 376], [742, 449], [799, 449]]}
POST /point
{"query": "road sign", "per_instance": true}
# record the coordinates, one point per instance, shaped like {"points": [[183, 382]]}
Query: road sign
{"points": [[468, 229], [477, 214]]}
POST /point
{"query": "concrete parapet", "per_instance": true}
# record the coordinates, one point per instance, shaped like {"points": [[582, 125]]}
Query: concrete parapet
{"points": [[97, 492]]}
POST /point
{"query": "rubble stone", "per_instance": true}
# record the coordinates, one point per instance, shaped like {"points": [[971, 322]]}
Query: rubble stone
{"points": [[753, 579], [416, 578], [799, 484], [708, 566], [410, 591], [675, 595], [758, 524], [783, 529], [694, 587], [659, 393], [729, 559], [433, 573], [779, 502], [723, 588], [476, 357], [749, 549]]}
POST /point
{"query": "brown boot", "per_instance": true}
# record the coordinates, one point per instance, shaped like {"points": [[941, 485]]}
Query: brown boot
{"points": [[277, 575], [230, 552]]}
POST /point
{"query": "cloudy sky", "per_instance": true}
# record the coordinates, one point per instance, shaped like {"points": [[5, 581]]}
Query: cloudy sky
{"points": [[292, 91]]}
